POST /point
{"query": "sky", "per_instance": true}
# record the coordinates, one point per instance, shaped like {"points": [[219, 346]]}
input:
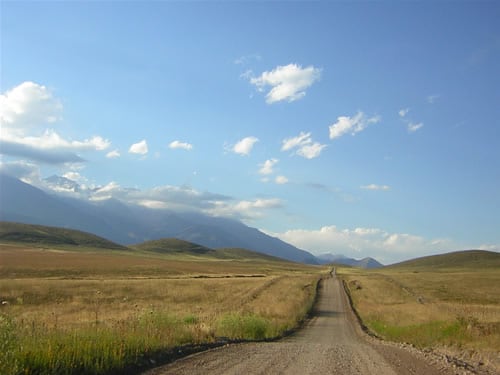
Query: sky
{"points": [[355, 128]]}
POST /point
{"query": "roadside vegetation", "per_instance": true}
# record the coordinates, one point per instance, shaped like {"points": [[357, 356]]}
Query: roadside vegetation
{"points": [[84, 310], [449, 301]]}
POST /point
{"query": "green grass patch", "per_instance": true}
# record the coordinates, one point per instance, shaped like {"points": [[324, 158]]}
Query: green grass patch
{"points": [[421, 335], [33, 349], [248, 326]]}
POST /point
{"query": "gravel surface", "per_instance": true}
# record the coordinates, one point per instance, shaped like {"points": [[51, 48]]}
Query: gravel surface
{"points": [[330, 343]]}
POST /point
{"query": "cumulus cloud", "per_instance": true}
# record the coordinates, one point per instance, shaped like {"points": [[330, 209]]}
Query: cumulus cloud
{"points": [[413, 127], [244, 146], [29, 104], [266, 168], [362, 242], [140, 148], [25, 112], [352, 125], [113, 154], [180, 145], [303, 145], [287, 82], [376, 187]]}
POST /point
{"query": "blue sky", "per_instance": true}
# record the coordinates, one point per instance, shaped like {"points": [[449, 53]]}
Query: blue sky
{"points": [[368, 129]]}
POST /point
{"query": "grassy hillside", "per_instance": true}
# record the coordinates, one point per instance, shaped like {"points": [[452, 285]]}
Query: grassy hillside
{"points": [[43, 235], [458, 259], [173, 246]]}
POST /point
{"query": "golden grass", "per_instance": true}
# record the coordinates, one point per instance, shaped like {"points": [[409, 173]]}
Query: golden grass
{"points": [[143, 301], [453, 308]]}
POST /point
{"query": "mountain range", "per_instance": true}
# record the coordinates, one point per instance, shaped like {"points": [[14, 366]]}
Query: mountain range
{"points": [[128, 224], [342, 259]]}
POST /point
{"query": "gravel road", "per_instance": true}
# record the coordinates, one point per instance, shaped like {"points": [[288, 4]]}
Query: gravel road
{"points": [[330, 343]]}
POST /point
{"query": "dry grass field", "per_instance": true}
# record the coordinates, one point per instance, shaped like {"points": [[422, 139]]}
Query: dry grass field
{"points": [[454, 308], [100, 311]]}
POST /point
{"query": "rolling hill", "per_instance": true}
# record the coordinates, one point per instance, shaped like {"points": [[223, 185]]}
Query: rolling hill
{"points": [[39, 234], [457, 259], [173, 246], [68, 239]]}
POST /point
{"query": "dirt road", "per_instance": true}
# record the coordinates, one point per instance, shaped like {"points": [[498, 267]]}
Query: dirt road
{"points": [[330, 343]]}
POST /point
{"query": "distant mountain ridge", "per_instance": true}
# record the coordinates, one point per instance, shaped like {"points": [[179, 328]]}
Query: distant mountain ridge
{"points": [[127, 224], [341, 259]]}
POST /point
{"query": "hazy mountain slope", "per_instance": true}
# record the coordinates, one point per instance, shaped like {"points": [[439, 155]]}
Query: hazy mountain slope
{"points": [[21, 202], [128, 224]]}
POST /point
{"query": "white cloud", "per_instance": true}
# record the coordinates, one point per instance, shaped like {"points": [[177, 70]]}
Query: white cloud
{"points": [[244, 146], [412, 128], [51, 140], [29, 104], [403, 112], [353, 125], [139, 148], [281, 180], [287, 82], [304, 146], [362, 242], [244, 209], [113, 154], [180, 145], [376, 187], [266, 168], [73, 176], [25, 112], [310, 151]]}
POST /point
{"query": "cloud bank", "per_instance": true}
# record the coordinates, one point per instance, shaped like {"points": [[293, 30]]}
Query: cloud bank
{"points": [[363, 242]]}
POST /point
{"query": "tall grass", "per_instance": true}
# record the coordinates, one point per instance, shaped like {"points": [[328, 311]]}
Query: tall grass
{"points": [[38, 349], [106, 326], [457, 308]]}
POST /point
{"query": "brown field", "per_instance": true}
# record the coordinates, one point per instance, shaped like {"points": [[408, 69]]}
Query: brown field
{"points": [[454, 309], [147, 301]]}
